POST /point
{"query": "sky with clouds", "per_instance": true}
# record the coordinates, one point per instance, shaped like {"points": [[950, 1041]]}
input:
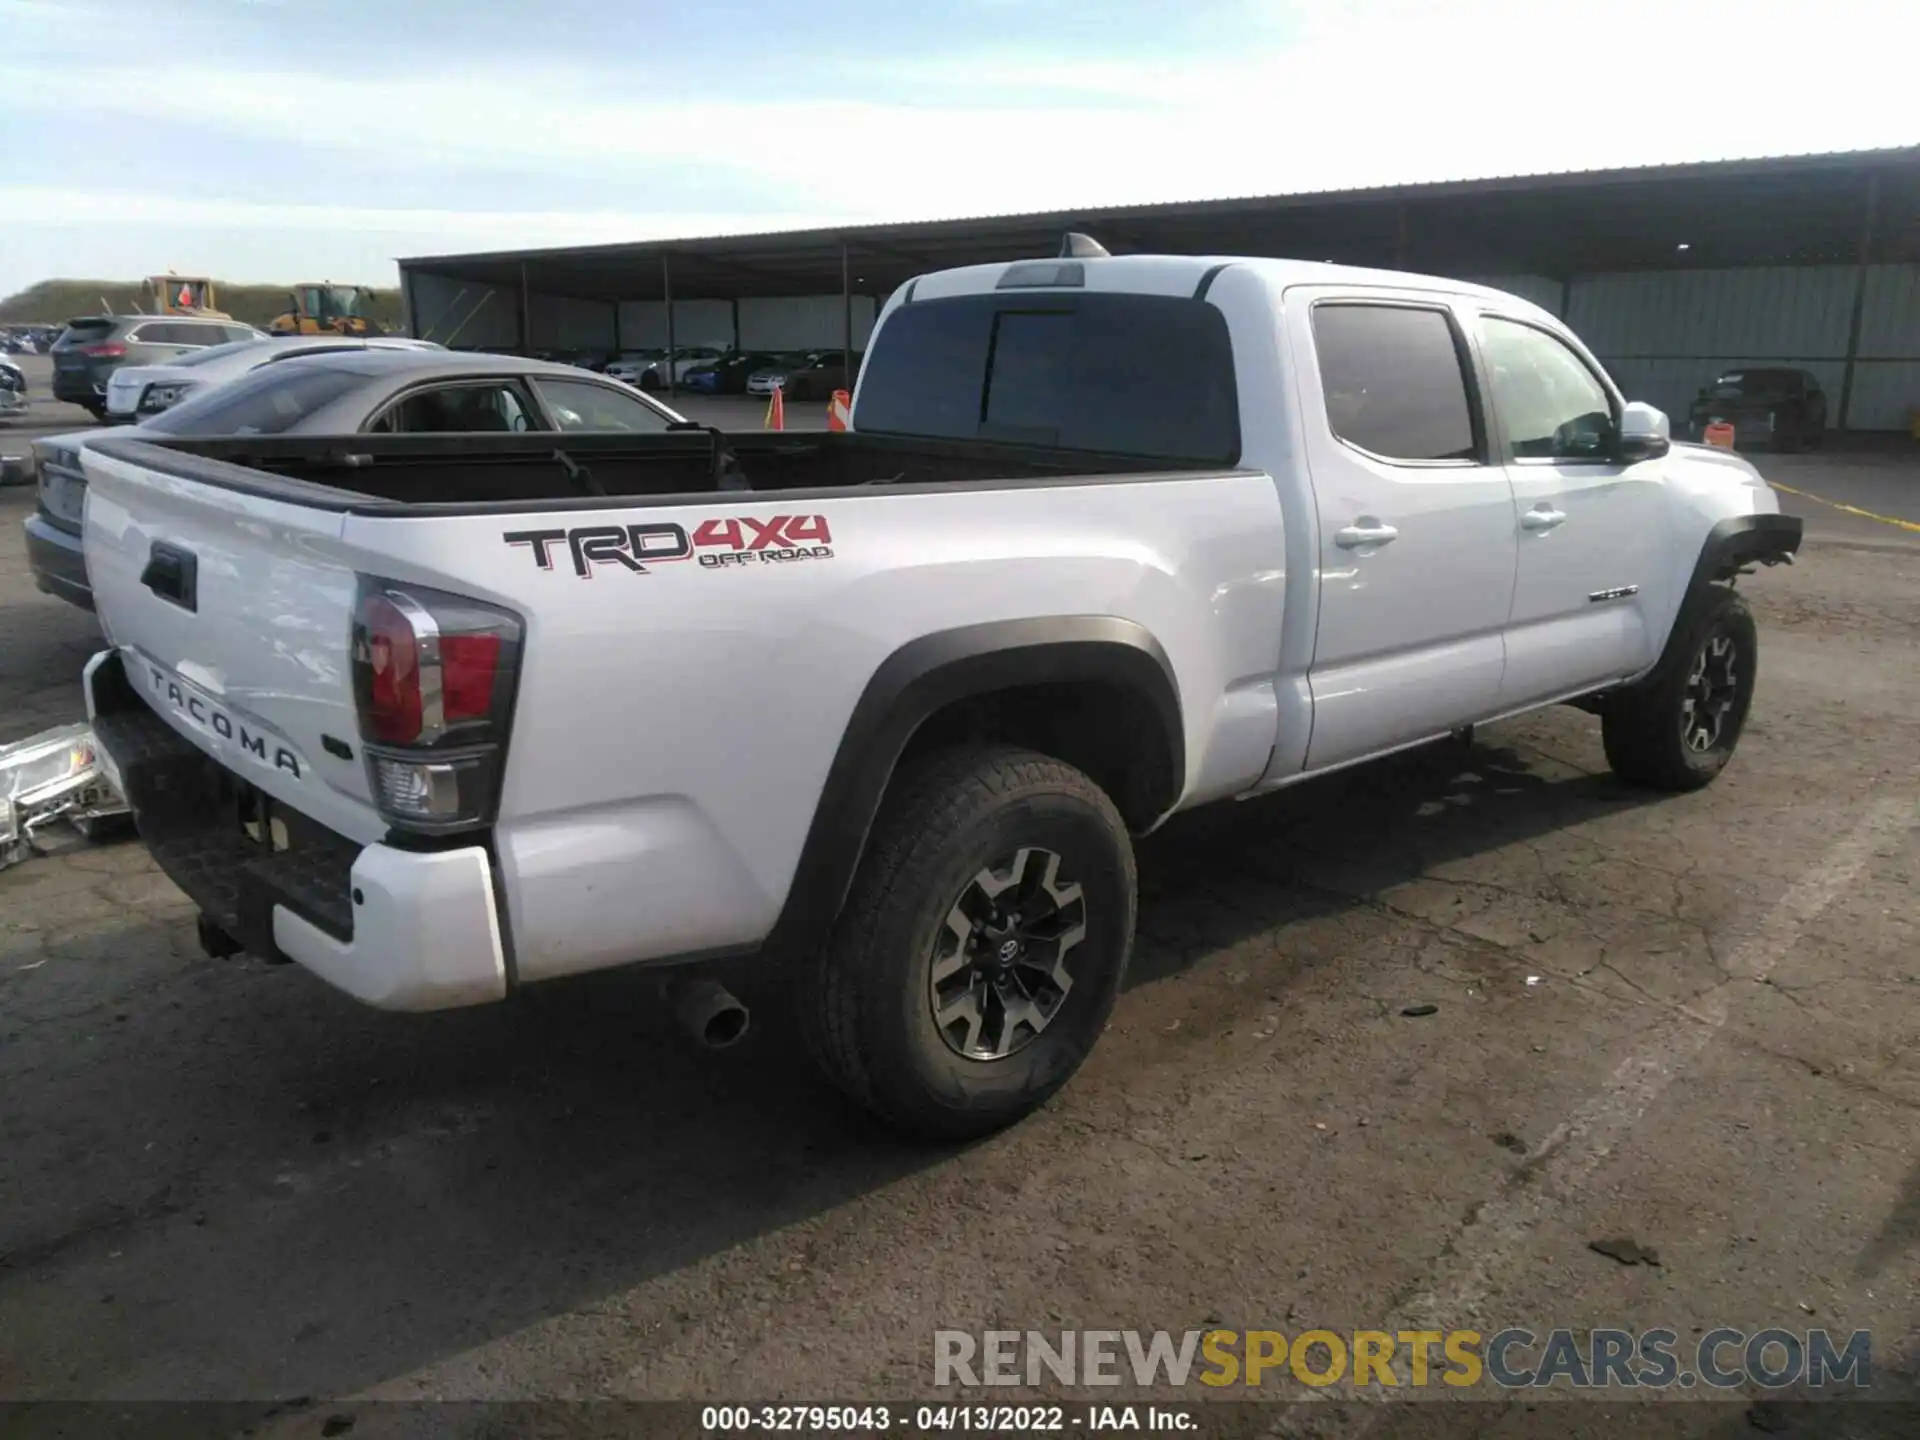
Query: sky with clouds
{"points": [[285, 139]]}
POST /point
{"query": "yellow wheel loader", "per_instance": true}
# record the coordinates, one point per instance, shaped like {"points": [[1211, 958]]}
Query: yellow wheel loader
{"points": [[323, 308]]}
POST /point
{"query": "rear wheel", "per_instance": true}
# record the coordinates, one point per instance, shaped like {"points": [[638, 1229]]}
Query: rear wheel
{"points": [[981, 948], [1677, 729]]}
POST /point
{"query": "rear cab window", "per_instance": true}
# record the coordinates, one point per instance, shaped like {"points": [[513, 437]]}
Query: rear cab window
{"points": [[1146, 375]]}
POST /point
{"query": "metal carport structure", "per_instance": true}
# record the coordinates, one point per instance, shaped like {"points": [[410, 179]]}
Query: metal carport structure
{"points": [[1824, 250]]}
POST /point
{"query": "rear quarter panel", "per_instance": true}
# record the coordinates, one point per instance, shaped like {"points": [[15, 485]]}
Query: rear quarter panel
{"points": [[674, 727]]}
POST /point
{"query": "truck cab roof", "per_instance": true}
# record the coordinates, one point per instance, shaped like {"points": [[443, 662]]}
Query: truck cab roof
{"points": [[1176, 275]]}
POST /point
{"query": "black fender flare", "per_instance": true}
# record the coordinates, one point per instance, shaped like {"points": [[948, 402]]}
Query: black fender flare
{"points": [[1743, 540], [922, 678], [1731, 545]]}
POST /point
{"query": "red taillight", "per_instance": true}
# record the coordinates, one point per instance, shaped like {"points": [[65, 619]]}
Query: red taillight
{"points": [[433, 683], [106, 350], [469, 665], [391, 712]]}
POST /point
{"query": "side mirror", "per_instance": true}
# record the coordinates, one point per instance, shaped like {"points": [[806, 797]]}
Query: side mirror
{"points": [[1644, 432]]}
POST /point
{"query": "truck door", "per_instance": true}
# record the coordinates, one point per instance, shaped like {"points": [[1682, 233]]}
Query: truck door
{"points": [[1417, 540], [1592, 530]]}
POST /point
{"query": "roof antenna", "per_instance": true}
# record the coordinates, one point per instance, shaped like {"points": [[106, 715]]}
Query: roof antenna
{"points": [[1081, 247]]}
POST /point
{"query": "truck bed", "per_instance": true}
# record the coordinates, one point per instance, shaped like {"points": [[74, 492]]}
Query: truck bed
{"points": [[382, 473]]}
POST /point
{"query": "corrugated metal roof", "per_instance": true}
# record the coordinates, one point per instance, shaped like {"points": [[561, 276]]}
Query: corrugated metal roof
{"points": [[1792, 210], [1428, 189]]}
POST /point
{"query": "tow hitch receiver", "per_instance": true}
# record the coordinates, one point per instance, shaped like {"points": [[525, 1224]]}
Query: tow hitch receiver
{"points": [[217, 943]]}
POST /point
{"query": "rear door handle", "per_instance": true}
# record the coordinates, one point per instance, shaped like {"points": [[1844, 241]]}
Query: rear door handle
{"points": [[1352, 537], [1542, 518], [174, 575]]}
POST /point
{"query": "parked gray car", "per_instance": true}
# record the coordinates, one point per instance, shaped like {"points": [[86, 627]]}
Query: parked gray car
{"points": [[140, 392], [13, 389], [92, 347], [344, 392]]}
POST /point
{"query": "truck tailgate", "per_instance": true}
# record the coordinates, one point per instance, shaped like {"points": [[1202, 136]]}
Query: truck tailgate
{"points": [[232, 613]]}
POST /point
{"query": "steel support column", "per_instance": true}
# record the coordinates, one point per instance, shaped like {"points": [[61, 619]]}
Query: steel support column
{"points": [[1859, 297], [526, 312], [846, 314], [666, 286]]}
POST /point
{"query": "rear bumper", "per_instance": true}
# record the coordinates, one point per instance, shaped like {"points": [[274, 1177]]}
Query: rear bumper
{"points": [[396, 929], [79, 387], [59, 562]]}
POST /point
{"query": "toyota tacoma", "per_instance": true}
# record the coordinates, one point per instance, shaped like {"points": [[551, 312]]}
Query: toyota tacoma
{"points": [[1110, 538]]}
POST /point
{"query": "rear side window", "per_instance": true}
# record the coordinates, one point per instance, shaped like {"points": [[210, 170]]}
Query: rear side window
{"points": [[582, 405], [471, 407], [270, 401], [212, 354], [1147, 375], [1393, 380], [165, 332]]}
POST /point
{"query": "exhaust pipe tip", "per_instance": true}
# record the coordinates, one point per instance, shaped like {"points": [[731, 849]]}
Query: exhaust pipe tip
{"points": [[711, 1014]]}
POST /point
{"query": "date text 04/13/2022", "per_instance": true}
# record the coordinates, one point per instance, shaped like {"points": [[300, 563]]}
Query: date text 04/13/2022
{"points": [[943, 1419]]}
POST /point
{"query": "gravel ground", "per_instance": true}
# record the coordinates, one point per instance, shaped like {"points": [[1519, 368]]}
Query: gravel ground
{"points": [[1688, 1021]]}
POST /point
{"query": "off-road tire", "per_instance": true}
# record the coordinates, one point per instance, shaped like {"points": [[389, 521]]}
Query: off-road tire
{"points": [[863, 1000], [1645, 728]]}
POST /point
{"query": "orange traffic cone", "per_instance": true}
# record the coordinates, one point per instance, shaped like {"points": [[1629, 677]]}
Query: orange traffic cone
{"points": [[840, 412], [777, 410]]}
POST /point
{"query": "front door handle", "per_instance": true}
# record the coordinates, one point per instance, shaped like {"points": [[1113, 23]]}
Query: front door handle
{"points": [[1370, 533], [1542, 518]]}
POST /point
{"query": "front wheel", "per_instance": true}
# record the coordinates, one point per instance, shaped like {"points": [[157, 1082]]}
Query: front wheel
{"points": [[982, 945], [1677, 729]]}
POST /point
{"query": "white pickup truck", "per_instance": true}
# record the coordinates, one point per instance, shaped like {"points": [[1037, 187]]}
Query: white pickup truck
{"points": [[1112, 537]]}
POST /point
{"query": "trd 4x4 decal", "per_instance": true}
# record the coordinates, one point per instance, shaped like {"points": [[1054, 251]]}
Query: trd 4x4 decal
{"points": [[730, 543], [746, 540]]}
